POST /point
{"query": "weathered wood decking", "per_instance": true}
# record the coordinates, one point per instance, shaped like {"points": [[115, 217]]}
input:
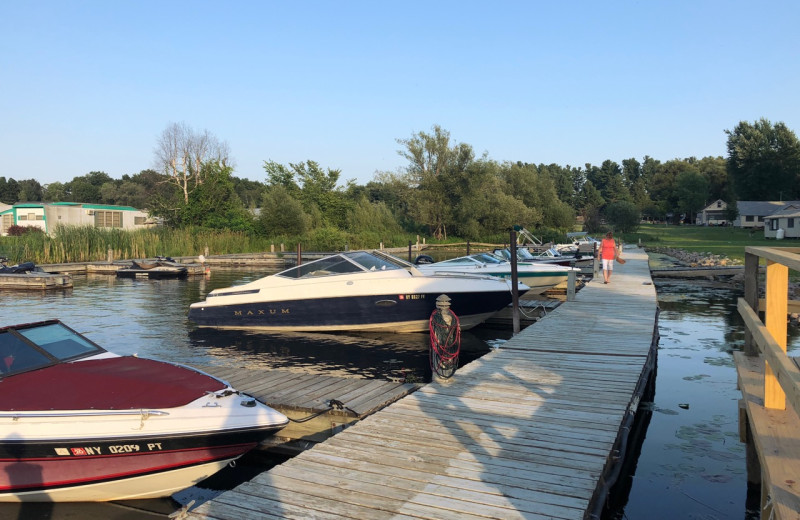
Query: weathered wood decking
{"points": [[299, 396], [527, 431]]}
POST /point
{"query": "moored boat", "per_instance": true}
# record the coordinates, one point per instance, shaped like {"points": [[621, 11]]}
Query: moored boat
{"points": [[538, 277], [79, 423], [356, 290], [163, 267]]}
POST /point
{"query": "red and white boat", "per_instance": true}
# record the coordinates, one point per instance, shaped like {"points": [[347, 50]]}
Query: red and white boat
{"points": [[79, 423]]}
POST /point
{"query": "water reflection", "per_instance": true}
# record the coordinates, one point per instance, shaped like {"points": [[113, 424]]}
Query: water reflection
{"points": [[692, 464], [148, 318]]}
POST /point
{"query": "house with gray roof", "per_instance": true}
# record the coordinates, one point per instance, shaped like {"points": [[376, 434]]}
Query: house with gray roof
{"points": [[784, 223], [753, 212]]}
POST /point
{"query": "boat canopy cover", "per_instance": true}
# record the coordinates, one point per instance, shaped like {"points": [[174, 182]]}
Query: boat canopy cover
{"points": [[476, 258], [43, 366], [346, 263], [114, 383]]}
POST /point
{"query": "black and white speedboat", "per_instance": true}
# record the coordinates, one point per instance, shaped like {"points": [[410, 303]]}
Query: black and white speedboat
{"points": [[357, 290]]}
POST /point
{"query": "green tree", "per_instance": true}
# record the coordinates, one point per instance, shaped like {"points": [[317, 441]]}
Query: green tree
{"points": [[214, 203], [55, 192], [30, 191], [282, 214], [764, 161], [372, 217], [623, 216], [437, 170], [9, 191], [691, 190]]}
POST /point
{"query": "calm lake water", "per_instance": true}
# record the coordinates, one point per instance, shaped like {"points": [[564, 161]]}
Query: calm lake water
{"points": [[690, 462]]}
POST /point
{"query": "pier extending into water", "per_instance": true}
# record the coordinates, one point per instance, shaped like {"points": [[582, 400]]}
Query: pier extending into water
{"points": [[769, 420], [534, 429]]}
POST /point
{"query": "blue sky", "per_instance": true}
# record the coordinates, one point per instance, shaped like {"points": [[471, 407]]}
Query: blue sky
{"points": [[91, 85]]}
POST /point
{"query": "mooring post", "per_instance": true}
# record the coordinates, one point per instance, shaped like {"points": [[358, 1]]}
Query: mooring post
{"points": [[299, 254], [409, 250], [597, 262], [110, 256], [571, 286], [751, 297], [514, 291]]}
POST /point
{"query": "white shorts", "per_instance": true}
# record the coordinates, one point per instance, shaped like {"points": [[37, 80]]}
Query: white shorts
{"points": [[608, 265]]}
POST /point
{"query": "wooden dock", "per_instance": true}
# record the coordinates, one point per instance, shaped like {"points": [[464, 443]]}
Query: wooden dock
{"points": [[531, 430], [334, 402], [35, 281], [769, 418]]}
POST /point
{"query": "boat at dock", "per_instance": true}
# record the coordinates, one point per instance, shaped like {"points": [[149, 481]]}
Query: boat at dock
{"points": [[356, 290], [550, 255], [539, 277], [79, 423], [27, 275], [161, 268]]}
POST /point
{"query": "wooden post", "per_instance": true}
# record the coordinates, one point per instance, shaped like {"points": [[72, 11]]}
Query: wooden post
{"points": [[417, 243], [751, 297], [205, 251], [283, 247], [299, 254], [272, 248], [409, 250], [514, 291], [571, 286], [775, 321], [467, 246], [110, 256]]}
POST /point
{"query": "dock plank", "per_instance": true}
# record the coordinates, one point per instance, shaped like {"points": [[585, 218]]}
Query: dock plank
{"points": [[526, 431]]}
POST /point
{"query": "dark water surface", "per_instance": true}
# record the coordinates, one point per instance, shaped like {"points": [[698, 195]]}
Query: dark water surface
{"points": [[690, 463]]}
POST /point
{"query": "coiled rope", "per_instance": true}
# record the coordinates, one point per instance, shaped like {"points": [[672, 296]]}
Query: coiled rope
{"points": [[445, 330]]}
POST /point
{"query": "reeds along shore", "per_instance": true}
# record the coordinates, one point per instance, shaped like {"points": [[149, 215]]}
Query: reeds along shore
{"points": [[89, 244]]}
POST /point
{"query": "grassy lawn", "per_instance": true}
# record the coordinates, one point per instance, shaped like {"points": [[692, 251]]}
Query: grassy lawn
{"points": [[728, 241]]}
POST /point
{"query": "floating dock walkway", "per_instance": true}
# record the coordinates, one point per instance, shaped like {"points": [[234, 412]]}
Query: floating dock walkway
{"points": [[531, 430]]}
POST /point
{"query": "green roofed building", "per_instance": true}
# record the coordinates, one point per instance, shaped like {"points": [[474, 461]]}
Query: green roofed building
{"points": [[47, 216]]}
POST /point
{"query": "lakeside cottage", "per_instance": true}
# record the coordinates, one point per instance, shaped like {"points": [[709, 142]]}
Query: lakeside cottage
{"points": [[784, 223], [46, 216], [752, 213]]}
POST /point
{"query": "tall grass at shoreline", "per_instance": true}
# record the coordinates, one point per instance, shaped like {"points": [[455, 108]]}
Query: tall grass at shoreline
{"points": [[90, 244]]}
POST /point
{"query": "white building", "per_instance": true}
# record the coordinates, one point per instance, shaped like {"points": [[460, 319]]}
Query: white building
{"points": [[784, 223], [47, 216]]}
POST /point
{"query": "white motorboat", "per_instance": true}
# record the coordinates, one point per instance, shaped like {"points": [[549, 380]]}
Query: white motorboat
{"points": [[539, 277], [356, 290]]}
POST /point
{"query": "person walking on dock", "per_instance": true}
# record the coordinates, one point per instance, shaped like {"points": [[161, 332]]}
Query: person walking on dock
{"points": [[608, 253]]}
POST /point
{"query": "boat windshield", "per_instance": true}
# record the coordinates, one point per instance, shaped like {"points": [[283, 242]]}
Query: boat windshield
{"points": [[38, 345], [344, 263]]}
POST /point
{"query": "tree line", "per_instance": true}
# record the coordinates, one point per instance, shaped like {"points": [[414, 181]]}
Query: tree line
{"points": [[445, 189]]}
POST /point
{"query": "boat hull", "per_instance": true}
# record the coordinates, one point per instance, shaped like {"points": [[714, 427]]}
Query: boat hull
{"points": [[119, 468], [387, 312]]}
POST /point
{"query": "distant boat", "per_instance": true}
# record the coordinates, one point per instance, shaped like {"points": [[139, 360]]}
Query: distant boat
{"points": [[539, 277], [163, 267], [356, 290], [79, 423], [547, 256]]}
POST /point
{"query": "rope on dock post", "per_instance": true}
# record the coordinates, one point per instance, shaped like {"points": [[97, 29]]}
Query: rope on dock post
{"points": [[445, 330]]}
